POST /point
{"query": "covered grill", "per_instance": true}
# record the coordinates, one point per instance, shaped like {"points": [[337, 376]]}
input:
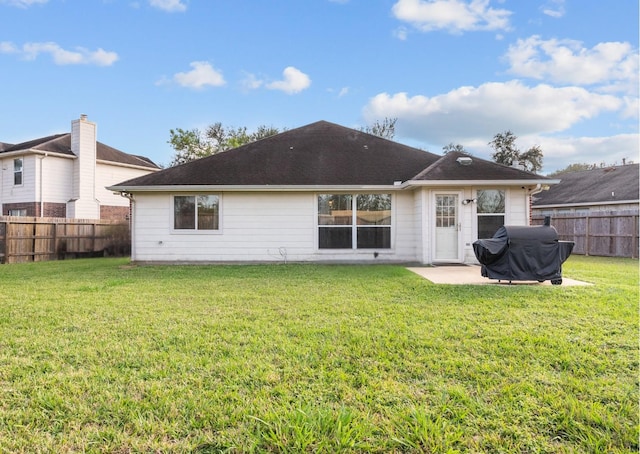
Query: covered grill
{"points": [[523, 253]]}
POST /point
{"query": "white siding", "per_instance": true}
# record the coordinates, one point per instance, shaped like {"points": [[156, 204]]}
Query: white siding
{"points": [[26, 192], [108, 175], [83, 145], [257, 227], [57, 179]]}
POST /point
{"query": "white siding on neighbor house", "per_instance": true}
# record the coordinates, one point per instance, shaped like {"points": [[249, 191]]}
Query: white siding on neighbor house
{"points": [[83, 145], [257, 227], [57, 179], [109, 175], [26, 192]]}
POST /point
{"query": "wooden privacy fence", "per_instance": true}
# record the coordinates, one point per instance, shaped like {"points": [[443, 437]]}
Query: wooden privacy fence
{"points": [[30, 239], [608, 234]]}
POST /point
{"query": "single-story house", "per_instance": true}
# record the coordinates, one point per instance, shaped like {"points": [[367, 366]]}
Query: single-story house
{"points": [[606, 189], [325, 193], [65, 175]]}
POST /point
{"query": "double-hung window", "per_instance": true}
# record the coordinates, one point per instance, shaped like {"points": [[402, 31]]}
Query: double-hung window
{"points": [[354, 221], [196, 212], [490, 210], [17, 171]]}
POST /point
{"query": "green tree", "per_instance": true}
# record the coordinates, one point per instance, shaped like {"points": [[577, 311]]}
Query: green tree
{"points": [[507, 153], [453, 147], [193, 144], [385, 129]]}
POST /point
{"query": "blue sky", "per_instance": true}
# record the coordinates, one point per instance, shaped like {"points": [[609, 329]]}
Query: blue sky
{"points": [[561, 74]]}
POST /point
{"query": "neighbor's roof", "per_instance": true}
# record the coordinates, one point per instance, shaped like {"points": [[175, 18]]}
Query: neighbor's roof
{"points": [[4, 146], [61, 144], [604, 185], [320, 154]]}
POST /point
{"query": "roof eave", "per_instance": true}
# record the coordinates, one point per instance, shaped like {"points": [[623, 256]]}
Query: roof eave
{"points": [[254, 188], [445, 183], [130, 166], [9, 154]]}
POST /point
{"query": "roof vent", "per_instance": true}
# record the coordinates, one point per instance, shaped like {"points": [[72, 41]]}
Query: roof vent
{"points": [[464, 160]]}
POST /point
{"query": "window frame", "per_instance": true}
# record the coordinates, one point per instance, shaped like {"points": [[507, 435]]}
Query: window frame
{"points": [[19, 212], [195, 230], [490, 214], [18, 172], [354, 225]]}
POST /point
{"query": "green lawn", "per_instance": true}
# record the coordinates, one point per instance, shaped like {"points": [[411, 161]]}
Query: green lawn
{"points": [[100, 356]]}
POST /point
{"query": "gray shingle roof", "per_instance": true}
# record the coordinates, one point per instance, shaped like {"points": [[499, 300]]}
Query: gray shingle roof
{"points": [[607, 184], [324, 154], [321, 153], [61, 143], [448, 168]]}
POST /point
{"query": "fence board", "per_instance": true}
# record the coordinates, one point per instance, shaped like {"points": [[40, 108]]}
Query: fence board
{"points": [[608, 234], [28, 239]]}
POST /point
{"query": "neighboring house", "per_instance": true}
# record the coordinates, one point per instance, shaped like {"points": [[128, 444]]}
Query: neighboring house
{"points": [[325, 193], [66, 175], [605, 189]]}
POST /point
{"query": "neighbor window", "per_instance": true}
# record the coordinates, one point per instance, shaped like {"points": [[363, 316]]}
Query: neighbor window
{"points": [[491, 211], [18, 212], [196, 212], [354, 221], [17, 171]]}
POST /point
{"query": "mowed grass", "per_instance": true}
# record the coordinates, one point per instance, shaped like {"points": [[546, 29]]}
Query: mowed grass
{"points": [[100, 356]]}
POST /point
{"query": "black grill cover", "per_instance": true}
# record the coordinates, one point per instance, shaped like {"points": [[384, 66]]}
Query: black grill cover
{"points": [[523, 253]]}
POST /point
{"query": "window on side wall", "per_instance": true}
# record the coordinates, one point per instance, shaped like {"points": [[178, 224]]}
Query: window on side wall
{"points": [[490, 210], [354, 221], [196, 212], [17, 172]]}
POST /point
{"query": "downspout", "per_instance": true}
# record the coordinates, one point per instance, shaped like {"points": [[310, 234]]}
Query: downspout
{"points": [[537, 190], [128, 195]]}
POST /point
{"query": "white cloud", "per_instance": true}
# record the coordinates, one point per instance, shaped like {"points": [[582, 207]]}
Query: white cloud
{"points": [[468, 113], [7, 47], [22, 3], [554, 8], [401, 33], [537, 115], [560, 152], [202, 75], [251, 82], [170, 6], [613, 65], [78, 56], [294, 81], [455, 16]]}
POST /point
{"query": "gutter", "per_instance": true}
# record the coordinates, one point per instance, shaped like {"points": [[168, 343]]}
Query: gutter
{"points": [[129, 166], [9, 154], [257, 188], [397, 186]]}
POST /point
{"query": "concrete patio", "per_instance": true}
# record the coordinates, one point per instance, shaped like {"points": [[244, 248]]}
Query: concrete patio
{"points": [[470, 275]]}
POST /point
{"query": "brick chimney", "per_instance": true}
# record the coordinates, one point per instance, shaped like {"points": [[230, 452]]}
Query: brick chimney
{"points": [[83, 203]]}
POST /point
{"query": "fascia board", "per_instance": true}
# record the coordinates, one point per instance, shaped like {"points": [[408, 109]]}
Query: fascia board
{"points": [[457, 183], [252, 188], [129, 166], [10, 154]]}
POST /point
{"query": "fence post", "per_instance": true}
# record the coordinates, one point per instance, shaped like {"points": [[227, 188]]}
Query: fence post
{"points": [[634, 241], [587, 236]]}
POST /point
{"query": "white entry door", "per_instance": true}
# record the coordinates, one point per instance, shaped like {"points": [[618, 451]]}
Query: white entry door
{"points": [[447, 228]]}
